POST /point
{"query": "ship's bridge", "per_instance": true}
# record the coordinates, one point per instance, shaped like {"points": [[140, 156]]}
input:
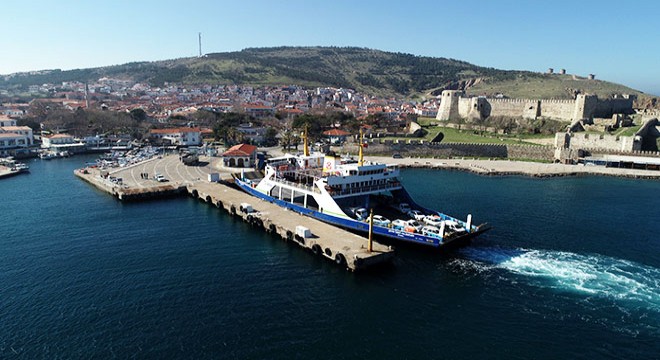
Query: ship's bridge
{"points": [[352, 179]]}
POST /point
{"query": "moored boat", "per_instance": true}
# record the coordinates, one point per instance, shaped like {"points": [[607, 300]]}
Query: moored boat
{"points": [[339, 191]]}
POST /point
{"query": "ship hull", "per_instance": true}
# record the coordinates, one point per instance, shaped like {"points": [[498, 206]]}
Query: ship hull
{"points": [[363, 227]]}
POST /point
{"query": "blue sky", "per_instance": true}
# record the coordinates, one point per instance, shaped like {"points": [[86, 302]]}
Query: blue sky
{"points": [[615, 40]]}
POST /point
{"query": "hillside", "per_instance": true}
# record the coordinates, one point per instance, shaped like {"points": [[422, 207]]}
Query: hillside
{"points": [[366, 70]]}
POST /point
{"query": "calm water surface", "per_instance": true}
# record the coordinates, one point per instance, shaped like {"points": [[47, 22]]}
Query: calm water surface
{"points": [[571, 270]]}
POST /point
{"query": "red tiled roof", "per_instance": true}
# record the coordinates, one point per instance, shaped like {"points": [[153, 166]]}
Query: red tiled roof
{"points": [[16, 128], [336, 132], [10, 135], [58, 136], [293, 111], [174, 130], [258, 106], [240, 150]]}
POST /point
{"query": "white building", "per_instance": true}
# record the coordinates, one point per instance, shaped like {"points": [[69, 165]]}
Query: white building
{"points": [[241, 155], [61, 142], [20, 130], [10, 142], [14, 139], [252, 133], [6, 121], [179, 136]]}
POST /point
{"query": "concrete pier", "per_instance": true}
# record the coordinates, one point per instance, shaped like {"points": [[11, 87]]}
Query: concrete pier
{"points": [[346, 249], [343, 247]]}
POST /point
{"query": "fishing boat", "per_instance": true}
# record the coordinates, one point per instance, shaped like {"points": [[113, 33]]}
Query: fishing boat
{"points": [[51, 154], [14, 166], [339, 191]]}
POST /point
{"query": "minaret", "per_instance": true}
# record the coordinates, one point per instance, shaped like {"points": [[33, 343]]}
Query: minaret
{"points": [[86, 96]]}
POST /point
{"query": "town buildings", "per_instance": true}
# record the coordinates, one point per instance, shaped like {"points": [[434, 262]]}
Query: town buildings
{"points": [[14, 139]]}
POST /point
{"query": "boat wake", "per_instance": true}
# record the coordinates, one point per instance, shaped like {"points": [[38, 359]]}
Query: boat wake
{"points": [[591, 275]]}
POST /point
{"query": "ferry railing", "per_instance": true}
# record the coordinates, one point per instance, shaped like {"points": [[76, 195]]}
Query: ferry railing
{"points": [[362, 189], [299, 185]]}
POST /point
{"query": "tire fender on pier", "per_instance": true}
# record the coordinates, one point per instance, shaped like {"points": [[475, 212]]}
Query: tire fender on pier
{"points": [[340, 259]]}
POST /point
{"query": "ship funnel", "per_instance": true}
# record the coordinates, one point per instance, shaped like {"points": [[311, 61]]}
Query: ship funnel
{"points": [[330, 163]]}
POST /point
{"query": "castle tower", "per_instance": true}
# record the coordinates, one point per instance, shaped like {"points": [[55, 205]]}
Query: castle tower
{"points": [[449, 105], [585, 106]]}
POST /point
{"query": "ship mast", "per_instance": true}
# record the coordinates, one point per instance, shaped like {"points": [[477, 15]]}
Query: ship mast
{"points": [[305, 143], [360, 155]]}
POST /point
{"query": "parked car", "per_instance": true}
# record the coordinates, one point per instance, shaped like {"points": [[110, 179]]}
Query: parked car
{"points": [[414, 224], [160, 178], [453, 226], [397, 156], [433, 220], [360, 213], [399, 224], [450, 225], [402, 208], [380, 220], [431, 231], [416, 214]]}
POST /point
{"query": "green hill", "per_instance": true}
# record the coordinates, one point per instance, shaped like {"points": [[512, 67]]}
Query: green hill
{"points": [[366, 70]]}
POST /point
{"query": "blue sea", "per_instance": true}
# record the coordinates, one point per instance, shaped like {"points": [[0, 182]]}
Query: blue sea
{"points": [[571, 270]]}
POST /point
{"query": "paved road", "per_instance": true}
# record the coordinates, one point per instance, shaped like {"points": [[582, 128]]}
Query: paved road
{"points": [[172, 168]]}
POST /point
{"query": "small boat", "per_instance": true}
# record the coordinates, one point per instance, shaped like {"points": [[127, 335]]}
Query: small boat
{"points": [[21, 167], [14, 166], [49, 154]]}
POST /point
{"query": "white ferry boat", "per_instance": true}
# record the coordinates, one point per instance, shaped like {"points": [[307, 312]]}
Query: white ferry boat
{"points": [[339, 191]]}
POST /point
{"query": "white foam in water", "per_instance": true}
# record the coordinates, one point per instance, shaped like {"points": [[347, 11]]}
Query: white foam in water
{"points": [[594, 275]]}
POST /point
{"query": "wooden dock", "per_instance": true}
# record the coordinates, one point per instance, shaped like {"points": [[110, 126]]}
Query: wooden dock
{"points": [[346, 249]]}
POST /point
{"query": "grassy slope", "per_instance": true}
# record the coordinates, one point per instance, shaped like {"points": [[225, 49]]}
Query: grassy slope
{"points": [[461, 136], [370, 71], [549, 87]]}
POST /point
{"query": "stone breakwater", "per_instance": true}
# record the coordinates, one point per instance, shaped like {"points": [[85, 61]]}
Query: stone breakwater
{"points": [[521, 168]]}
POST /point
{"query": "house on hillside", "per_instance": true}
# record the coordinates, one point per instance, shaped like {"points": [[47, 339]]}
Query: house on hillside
{"points": [[259, 111], [241, 155], [6, 121], [336, 136]]}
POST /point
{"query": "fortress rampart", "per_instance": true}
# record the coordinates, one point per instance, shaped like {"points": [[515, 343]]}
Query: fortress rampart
{"points": [[416, 148], [625, 144], [455, 106]]}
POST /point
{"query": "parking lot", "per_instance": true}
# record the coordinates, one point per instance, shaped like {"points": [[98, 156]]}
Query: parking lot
{"points": [[171, 169]]}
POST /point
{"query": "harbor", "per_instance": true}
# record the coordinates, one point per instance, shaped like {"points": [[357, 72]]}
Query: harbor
{"points": [[85, 273], [139, 181]]}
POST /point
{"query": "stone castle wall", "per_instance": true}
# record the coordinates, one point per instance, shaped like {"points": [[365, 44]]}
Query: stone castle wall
{"points": [[594, 141], [454, 106], [447, 150], [605, 108], [557, 109], [507, 107]]}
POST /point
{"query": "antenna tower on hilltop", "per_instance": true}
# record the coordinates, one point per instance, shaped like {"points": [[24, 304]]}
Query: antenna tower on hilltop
{"points": [[200, 44]]}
